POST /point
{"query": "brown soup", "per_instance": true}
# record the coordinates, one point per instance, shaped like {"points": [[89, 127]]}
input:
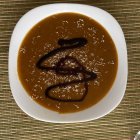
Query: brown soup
{"points": [[67, 62]]}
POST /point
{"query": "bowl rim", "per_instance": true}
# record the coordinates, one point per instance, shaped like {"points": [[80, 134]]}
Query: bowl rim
{"points": [[61, 8]]}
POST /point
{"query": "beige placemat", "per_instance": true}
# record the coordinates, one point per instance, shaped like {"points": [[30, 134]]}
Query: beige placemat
{"points": [[121, 124]]}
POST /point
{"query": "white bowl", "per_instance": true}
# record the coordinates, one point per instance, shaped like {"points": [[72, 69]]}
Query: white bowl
{"points": [[103, 107]]}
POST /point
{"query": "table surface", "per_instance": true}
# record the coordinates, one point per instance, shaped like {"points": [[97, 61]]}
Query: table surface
{"points": [[121, 124]]}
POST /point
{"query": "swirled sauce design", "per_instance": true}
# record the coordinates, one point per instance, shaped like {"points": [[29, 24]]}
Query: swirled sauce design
{"points": [[67, 62]]}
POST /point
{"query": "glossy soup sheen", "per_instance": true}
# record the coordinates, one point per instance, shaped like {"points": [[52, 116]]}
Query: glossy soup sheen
{"points": [[67, 62]]}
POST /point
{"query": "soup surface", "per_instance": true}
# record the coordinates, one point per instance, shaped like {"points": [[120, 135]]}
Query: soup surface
{"points": [[67, 62]]}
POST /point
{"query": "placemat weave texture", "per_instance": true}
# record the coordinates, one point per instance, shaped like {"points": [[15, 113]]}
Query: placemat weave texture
{"points": [[121, 124]]}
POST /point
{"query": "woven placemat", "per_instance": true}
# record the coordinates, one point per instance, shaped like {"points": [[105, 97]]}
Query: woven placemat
{"points": [[121, 124]]}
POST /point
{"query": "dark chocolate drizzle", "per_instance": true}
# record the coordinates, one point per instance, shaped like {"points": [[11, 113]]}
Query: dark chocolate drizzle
{"points": [[59, 68]]}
